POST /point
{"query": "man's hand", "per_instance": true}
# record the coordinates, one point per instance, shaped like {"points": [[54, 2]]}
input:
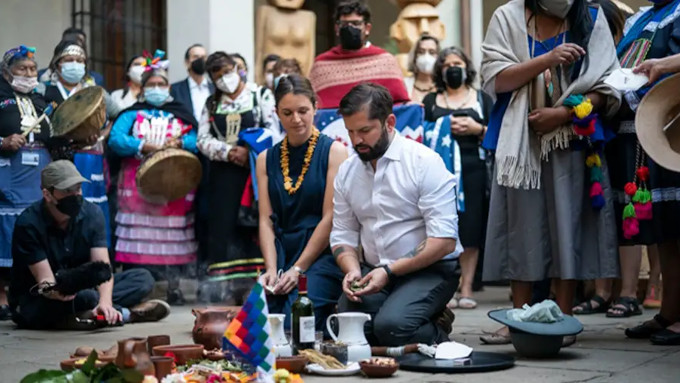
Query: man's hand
{"points": [[287, 282], [13, 143], [238, 155], [350, 277], [111, 315], [545, 120], [374, 282], [655, 68]]}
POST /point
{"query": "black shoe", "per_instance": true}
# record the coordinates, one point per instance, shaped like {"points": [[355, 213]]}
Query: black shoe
{"points": [[176, 298], [665, 337], [644, 331], [149, 311], [5, 313]]}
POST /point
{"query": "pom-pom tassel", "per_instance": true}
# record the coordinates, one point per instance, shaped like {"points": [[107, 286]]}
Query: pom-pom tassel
{"points": [[593, 160], [597, 201], [595, 174], [630, 189], [643, 211], [629, 211], [631, 228]]}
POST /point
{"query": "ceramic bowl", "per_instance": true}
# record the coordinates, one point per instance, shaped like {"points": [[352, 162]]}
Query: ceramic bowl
{"points": [[374, 370], [294, 364], [182, 352]]}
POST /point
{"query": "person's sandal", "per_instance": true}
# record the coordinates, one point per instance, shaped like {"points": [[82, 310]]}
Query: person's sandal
{"points": [[644, 331], [665, 337], [629, 307], [586, 307], [467, 303], [5, 313], [496, 338]]}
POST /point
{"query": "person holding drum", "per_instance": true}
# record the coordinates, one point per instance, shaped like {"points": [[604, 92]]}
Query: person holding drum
{"points": [[155, 235], [23, 136], [69, 75], [296, 217], [231, 246]]}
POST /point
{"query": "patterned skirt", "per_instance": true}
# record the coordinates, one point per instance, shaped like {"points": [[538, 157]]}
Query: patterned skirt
{"points": [[149, 233], [90, 164], [19, 188]]}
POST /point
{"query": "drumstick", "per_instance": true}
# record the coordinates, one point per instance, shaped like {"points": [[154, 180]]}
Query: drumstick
{"points": [[26, 133]]}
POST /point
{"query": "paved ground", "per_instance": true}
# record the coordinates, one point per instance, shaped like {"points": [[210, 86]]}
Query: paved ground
{"points": [[602, 354]]}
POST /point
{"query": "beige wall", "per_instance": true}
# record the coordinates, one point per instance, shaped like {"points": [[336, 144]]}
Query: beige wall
{"points": [[36, 23]]}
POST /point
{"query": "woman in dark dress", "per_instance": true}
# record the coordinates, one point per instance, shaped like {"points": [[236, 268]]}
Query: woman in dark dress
{"points": [[231, 247], [469, 110], [295, 180], [23, 155]]}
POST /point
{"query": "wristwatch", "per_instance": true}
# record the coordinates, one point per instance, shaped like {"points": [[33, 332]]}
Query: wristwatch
{"points": [[298, 269], [390, 275]]}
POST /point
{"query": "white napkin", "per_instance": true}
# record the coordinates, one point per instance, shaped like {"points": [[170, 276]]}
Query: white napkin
{"points": [[624, 79], [452, 350]]}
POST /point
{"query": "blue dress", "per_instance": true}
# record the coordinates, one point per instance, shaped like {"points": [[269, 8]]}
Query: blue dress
{"points": [[295, 217]]}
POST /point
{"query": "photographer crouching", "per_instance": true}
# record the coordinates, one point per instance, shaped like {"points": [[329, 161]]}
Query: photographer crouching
{"points": [[61, 276]]}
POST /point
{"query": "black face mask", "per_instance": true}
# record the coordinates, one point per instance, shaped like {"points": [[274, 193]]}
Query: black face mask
{"points": [[70, 205], [198, 66], [376, 151], [455, 77], [350, 38]]}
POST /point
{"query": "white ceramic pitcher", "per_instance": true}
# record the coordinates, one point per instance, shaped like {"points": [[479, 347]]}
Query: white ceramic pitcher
{"points": [[351, 333], [281, 345]]}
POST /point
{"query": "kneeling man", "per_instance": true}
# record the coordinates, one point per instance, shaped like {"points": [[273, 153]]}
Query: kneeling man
{"points": [[395, 200], [59, 232]]}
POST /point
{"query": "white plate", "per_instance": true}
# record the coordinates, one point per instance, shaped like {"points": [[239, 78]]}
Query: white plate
{"points": [[352, 369]]}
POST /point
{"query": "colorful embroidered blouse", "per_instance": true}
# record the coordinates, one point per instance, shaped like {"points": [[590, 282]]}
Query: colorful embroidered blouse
{"points": [[134, 128]]}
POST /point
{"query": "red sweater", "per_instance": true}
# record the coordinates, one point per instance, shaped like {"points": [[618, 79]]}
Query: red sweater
{"points": [[337, 71]]}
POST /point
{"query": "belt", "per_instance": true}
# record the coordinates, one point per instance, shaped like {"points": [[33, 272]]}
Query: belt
{"points": [[627, 127]]}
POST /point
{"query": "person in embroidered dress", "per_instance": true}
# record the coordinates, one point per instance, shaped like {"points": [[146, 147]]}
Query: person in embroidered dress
{"points": [[296, 219], [159, 237], [651, 34], [547, 219], [231, 109], [23, 155], [468, 110], [355, 60], [69, 75]]}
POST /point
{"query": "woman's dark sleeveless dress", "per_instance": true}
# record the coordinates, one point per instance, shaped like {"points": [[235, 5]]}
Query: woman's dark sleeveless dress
{"points": [[295, 217]]}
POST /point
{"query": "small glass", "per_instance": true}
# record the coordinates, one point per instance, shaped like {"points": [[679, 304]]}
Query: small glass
{"points": [[318, 339]]}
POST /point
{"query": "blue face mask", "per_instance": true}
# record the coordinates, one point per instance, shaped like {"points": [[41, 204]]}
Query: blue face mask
{"points": [[72, 72], [156, 96]]}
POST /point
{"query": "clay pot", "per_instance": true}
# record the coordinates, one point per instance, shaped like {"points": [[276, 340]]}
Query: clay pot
{"points": [[132, 353], [163, 366], [294, 364], [157, 340], [182, 352], [210, 324]]}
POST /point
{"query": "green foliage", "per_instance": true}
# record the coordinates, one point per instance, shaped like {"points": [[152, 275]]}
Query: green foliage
{"points": [[109, 373]]}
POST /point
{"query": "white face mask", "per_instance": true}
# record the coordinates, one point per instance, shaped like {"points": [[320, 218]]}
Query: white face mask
{"points": [[135, 73], [425, 63], [23, 84], [557, 8], [269, 79], [229, 82]]}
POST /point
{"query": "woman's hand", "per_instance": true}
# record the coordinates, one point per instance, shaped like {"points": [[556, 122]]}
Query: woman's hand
{"points": [[287, 282], [655, 68], [567, 53], [149, 148], [239, 156], [545, 120], [173, 142], [13, 143], [465, 126], [268, 280]]}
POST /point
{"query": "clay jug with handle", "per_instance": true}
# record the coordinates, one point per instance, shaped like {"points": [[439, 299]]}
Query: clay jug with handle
{"points": [[132, 353], [210, 324]]}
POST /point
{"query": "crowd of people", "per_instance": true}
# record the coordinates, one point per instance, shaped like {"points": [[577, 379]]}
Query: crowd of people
{"points": [[552, 185]]}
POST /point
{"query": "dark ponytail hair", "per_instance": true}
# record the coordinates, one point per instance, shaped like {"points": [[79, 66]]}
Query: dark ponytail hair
{"points": [[295, 84], [578, 18], [213, 64]]}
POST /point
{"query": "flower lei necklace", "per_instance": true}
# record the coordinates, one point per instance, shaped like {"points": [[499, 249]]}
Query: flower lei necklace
{"points": [[285, 168]]}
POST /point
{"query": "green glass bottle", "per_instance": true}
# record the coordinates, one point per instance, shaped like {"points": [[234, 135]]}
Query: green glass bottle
{"points": [[302, 314]]}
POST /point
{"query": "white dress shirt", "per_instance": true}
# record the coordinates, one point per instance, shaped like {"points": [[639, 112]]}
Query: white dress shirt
{"points": [[410, 197], [199, 93]]}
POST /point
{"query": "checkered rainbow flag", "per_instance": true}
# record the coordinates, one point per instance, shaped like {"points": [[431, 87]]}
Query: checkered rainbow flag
{"points": [[249, 333]]}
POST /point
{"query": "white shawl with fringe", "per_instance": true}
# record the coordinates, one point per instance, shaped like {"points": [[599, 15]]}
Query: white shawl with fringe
{"points": [[520, 150]]}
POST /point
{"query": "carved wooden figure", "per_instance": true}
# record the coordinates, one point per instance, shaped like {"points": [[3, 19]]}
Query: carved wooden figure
{"points": [[416, 18]]}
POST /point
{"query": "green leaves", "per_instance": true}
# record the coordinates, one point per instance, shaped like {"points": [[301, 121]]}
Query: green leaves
{"points": [[89, 373]]}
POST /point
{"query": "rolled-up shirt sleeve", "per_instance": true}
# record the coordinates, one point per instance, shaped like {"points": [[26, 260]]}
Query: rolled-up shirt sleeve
{"points": [[346, 226], [437, 200]]}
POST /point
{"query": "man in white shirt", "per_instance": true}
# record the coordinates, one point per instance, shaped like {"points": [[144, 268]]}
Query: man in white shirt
{"points": [[395, 200], [195, 89]]}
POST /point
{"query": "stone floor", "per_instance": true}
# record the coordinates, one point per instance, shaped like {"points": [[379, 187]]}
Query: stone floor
{"points": [[602, 353]]}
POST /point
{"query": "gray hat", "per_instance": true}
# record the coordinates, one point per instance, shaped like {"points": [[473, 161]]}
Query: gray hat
{"points": [[61, 175]]}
